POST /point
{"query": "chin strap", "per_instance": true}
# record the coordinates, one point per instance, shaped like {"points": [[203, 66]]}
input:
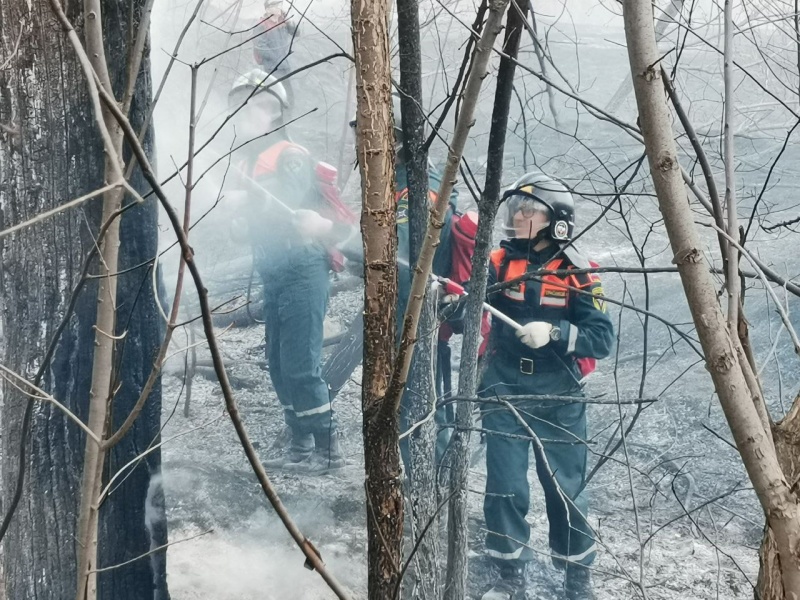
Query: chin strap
{"points": [[542, 234]]}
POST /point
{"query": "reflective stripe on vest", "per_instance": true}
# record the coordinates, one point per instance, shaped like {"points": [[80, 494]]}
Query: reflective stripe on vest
{"points": [[555, 290]]}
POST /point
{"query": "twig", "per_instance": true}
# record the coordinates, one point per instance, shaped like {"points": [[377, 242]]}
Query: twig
{"points": [[773, 295], [176, 298], [136, 54], [545, 398], [10, 376], [152, 448], [718, 436], [731, 277], [422, 534], [624, 441], [13, 53], [59, 209], [151, 552]]}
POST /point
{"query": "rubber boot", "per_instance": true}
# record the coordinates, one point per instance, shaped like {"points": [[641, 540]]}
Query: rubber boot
{"points": [[300, 449], [510, 586], [327, 455], [578, 583]]}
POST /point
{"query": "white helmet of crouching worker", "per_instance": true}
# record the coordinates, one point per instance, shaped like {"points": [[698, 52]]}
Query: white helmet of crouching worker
{"points": [[538, 206], [258, 101]]}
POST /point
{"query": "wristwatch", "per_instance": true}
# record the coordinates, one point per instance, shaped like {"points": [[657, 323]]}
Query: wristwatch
{"points": [[555, 334]]}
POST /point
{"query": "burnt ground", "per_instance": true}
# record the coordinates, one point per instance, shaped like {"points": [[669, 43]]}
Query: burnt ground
{"points": [[675, 463], [672, 463]]}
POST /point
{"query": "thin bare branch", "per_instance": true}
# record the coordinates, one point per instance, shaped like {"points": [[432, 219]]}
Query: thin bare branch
{"points": [[153, 551], [40, 394]]}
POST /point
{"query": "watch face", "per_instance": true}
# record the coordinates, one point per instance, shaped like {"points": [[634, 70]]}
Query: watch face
{"points": [[555, 334]]}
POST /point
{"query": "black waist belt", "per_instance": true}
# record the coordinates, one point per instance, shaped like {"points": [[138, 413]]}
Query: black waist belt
{"points": [[528, 365]]}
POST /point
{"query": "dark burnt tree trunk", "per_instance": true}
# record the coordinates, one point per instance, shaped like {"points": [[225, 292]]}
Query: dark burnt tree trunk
{"points": [[50, 152], [421, 394], [457, 568]]}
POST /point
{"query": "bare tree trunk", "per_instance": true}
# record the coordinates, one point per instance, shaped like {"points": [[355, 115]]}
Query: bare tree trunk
{"points": [[375, 150], [57, 155], [673, 9], [421, 477], [457, 568], [101, 394], [786, 434], [421, 393], [753, 442], [483, 52]]}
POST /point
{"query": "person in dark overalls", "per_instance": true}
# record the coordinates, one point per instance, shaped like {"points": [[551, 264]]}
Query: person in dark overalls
{"points": [[292, 226], [442, 261], [563, 319]]}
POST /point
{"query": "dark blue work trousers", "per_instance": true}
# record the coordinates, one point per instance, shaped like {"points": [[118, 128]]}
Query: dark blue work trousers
{"points": [[295, 301], [559, 449]]}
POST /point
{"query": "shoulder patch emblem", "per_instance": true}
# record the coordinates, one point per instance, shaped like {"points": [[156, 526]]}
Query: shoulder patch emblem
{"points": [[402, 208], [598, 300]]}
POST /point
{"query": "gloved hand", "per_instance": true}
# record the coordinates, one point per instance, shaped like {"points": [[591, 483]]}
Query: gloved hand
{"points": [[311, 224], [442, 294], [535, 334]]}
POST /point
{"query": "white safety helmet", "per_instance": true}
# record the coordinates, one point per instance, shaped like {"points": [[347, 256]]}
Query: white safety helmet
{"points": [[537, 192], [262, 82]]}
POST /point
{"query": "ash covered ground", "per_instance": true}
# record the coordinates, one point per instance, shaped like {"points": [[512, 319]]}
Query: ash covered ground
{"points": [[675, 465], [675, 460]]}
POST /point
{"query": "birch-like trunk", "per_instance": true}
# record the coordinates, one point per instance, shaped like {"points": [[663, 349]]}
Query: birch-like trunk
{"points": [[375, 151], [722, 361]]}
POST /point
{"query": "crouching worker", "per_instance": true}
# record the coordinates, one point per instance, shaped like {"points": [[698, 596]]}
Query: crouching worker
{"points": [[560, 325], [292, 217]]}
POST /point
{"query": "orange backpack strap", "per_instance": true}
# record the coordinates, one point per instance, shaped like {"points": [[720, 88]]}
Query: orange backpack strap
{"points": [[497, 257], [268, 160], [508, 270], [553, 265]]}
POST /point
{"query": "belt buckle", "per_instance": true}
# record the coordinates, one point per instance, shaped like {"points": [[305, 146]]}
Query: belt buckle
{"points": [[526, 366]]}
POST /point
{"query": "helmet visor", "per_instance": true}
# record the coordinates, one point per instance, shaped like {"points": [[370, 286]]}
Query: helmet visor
{"points": [[526, 215]]}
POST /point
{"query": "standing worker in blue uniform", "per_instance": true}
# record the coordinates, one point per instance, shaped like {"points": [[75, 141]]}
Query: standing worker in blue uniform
{"points": [[563, 319], [442, 266], [292, 217]]}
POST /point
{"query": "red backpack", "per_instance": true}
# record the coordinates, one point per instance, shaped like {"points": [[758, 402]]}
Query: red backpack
{"points": [[463, 230], [326, 174]]}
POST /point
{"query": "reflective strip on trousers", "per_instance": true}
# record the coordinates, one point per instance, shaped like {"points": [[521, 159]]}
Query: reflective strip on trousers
{"points": [[313, 411], [576, 558], [506, 555]]}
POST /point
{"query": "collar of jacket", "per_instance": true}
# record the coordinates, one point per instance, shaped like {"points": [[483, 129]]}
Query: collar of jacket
{"points": [[517, 248]]}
